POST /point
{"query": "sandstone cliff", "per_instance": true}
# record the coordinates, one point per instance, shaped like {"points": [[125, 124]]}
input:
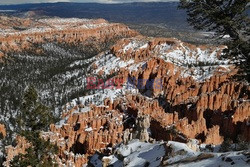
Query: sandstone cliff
{"points": [[19, 35]]}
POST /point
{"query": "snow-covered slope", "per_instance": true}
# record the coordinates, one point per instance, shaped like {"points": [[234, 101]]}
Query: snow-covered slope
{"points": [[200, 63], [135, 153], [184, 157], [174, 154]]}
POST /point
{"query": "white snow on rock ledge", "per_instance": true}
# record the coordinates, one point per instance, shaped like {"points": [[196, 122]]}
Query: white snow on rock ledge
{"points": [[196, 62], [176, 146], [183, 153], [135, 45], [136, 154], [141, 154], [52, 24], [192, 61], [109, 62]]}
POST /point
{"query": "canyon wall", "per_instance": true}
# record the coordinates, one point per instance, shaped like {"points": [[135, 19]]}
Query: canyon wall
{"points": [[24, 34]]}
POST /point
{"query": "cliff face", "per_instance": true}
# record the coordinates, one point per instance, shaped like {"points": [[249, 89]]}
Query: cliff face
{"points": [[19, 35]]}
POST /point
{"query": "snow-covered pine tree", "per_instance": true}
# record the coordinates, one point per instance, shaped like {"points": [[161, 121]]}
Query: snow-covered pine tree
{"points": [[224, 17]]}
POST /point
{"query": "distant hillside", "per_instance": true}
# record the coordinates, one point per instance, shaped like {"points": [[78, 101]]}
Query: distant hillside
{"points": [[165, 14]]}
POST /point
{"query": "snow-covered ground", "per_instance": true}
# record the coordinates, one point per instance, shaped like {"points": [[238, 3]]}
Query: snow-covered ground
{"points": [[235, 159], [108, 62], [134, 154], [186, 157], [58, 24], [135, 45], [197, 63], [175, 154]]}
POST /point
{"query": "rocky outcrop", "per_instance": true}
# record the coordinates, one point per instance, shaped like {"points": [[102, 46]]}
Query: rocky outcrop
{"points": [[127, 136], [213, 136], [85, 131], [141, 48], [142, 125], [20, 148], [2, 130]]}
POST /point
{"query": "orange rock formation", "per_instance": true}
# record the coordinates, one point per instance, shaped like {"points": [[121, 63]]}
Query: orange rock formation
{"points": [[20, 148], [2, 130], [22, 34]]}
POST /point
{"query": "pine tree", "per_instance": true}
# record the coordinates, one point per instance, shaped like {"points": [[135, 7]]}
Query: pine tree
{"points": [[33, 118], [226, 145], [34, 115], [38, 155], [241, 144], [224, 17]]}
